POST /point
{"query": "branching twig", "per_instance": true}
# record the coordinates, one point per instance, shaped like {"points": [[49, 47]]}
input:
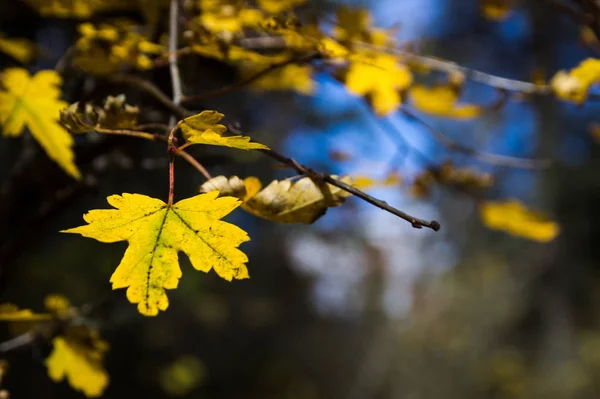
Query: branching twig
{"points": [[493, 159], [324, 177], [250, 79], [154, 91]]}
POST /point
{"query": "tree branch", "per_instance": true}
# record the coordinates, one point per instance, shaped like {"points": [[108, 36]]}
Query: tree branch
{"points": [[226, 89], [493, 159]]}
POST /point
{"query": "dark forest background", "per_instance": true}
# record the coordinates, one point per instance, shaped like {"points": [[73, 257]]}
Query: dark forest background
{"points": [[358, 305]]}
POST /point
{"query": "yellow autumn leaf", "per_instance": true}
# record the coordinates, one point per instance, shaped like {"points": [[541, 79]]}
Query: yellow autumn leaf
{"points": [[514, 218], [354, 25], [156, 232], [33, 102], [22, 50], [78, 356], [284, 201], [380, 77], [205, 128], [278, 6], [442, 101], [290, 77], [575, 85]]}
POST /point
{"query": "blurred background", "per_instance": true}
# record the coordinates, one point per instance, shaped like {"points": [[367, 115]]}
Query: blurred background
{"points": [[359, 304]]}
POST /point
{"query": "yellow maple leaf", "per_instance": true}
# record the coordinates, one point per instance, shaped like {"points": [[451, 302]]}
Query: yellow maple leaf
{"points": [[441, 101], [32, 101], [514, 218], [380, 77], [78, 356], [283, 201], [22, 50], [575, 85], [205, 128], [156, 232]]}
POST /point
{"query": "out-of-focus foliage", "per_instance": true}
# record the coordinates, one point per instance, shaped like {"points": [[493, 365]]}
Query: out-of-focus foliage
{"points": [[33, 102], [78, 352], [182, 376], [22, 50], [513, 217], [107, 48], [575, 84]]}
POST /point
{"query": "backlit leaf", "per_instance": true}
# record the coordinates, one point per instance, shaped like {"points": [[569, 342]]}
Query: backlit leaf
{"points": [[205, 128], [156, 232], [514, 218], [33, 102]]}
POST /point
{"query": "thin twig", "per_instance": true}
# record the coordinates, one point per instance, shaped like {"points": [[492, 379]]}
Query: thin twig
{"points": [[324, 177], [124, 132], [192, 161], [154, 91], [157, 137], [250, 79], [493, 159]]}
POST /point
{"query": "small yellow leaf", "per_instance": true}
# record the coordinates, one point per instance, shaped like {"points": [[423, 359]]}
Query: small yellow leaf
{"points": [[33, 101], [22, 50], [78, 356], [380, 77], [575, 85], [204, 128], [156, 232], [441, 101], [514, 218]]}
